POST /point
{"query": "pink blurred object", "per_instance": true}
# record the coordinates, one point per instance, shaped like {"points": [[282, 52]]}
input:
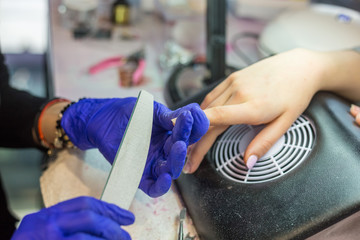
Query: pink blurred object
{"points": [[131, 68], [139, 72], [105, 64]]}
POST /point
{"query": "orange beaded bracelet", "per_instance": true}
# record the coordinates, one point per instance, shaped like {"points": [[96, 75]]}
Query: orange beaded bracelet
{"points": [[40, 133]]}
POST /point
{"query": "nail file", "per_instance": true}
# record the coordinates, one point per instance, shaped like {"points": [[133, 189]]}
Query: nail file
{"points": [[130, 159]]}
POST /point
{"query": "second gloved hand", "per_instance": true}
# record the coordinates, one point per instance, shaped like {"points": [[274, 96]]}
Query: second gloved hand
{"points": [[79, 218], [101, 123]]}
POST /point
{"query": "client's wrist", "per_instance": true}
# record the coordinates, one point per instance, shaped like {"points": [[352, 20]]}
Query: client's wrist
{"points": [[317, 66]]}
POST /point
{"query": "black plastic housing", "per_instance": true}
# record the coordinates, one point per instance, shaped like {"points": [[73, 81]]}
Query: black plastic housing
{"points": [[320, 192]]}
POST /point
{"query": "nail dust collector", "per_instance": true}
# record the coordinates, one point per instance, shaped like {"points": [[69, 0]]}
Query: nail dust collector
{"points": [[307, 183]]}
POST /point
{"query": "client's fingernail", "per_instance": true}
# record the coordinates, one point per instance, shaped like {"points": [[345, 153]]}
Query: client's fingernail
{"points": [[354, 110], [357, 119], [188, 153], [251, 161], [187, 168]]}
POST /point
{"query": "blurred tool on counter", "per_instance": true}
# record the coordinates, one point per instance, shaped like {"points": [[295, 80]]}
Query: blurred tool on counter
{"points": [[181, 224], [79, 16], [173, 55], [131, 68], [185, 21], [182, 218], [120, 12]]}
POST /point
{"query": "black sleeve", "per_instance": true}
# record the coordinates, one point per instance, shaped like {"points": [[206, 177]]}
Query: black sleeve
{"points": [[18, 110], [7, 220]]}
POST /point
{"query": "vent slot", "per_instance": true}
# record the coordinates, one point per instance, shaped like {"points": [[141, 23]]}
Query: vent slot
{"points": [[287, 153]]}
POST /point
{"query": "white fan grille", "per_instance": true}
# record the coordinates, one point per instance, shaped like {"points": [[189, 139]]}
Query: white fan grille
{"points": [[289, 151]]}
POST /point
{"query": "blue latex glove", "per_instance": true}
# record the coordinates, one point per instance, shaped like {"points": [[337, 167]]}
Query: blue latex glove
{"points": [[79, 218], [101, 123]]}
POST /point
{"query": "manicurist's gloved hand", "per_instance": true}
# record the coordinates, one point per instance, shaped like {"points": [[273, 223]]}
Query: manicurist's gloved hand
{"points": [[101, 123], [79, 218]]}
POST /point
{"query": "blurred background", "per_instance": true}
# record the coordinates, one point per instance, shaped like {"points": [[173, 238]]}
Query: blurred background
{"points": [[23, 40]]}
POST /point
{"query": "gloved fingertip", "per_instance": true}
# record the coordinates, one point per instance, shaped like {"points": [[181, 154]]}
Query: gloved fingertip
{"points": [[146, 185], [200, 117], [123, 216], [200, 126], [161, 186], [166, 115], [164, 183], [185, 116], [163, 116], [183, 127], [125, 235], [109, 152], [185, 119], [177, 158], [179, 147]]}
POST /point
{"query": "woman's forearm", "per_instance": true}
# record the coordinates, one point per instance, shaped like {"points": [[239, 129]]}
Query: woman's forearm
{"points": [[341, 73]]}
